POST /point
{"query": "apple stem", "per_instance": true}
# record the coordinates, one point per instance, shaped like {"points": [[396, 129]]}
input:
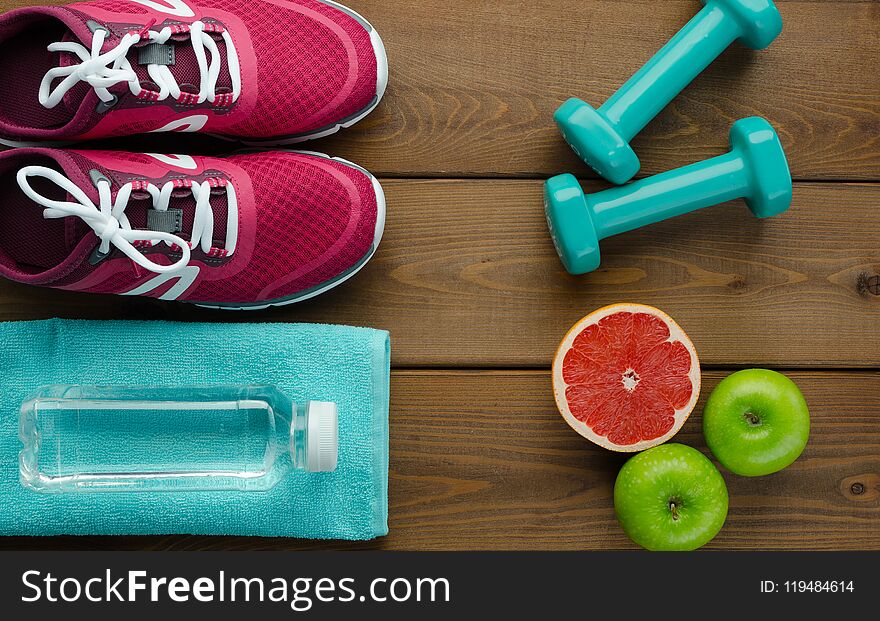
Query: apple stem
{"points": [[753, 419], [673, 506]]}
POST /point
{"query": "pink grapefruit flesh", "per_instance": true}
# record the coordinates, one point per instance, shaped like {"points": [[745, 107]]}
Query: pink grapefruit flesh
{"points": [[626, 377]]}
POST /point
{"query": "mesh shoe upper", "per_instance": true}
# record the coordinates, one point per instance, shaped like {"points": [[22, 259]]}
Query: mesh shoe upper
{"points": [[332, 58], [303, 195], [284, 225]]}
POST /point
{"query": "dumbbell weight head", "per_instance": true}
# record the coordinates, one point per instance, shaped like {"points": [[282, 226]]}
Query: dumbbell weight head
{"points": [[596, 141], [759, 20], [571, 224], [600, 136], [770, 190], [755, 169]]}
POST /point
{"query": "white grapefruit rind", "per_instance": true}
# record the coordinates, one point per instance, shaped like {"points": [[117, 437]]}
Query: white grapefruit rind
{"points": [[559, 385]]}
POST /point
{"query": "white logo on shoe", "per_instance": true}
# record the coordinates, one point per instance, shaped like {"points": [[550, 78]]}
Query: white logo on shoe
{"points": [[178, 161], [186, 276], [178, 8], [187, 124]]}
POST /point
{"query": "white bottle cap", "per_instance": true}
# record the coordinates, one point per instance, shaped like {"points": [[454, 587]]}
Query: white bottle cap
{"points": [[322, 436]]}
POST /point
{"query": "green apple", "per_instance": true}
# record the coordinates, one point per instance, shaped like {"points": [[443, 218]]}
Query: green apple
{"points": [[670, 497], [756, 422]]}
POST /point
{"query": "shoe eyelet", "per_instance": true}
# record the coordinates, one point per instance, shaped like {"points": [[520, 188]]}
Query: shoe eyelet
{"points": [[97, 177], [97, 256], [94, 27], [104, 106]]}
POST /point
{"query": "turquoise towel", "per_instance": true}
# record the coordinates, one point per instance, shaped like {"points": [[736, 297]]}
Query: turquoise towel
{"points": [[329, 363]]}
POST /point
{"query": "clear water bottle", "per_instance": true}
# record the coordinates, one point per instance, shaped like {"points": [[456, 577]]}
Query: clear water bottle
{"points": [[106, 438]]}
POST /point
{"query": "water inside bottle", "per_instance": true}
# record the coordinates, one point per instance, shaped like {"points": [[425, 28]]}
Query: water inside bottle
{"points": [[109, 442]]}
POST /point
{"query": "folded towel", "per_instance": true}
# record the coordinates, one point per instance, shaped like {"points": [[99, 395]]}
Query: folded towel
{"points": [[349, 366]]}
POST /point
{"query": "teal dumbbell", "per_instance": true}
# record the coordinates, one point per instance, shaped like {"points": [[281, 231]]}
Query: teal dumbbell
{"points": [[601, 137], [755, 169]]}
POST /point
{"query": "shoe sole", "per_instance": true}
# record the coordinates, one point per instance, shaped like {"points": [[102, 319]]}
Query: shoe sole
{"points": [[329, 130], [338, 280]]}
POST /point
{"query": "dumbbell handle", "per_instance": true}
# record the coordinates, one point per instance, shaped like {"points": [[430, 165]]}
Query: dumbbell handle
{"points": [[670, 70], [624, 208]]}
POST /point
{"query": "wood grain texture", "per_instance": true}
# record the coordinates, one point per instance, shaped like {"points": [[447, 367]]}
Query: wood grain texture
{"points": [[482, 460], [474, 86], [447, 112], [467, 276]]}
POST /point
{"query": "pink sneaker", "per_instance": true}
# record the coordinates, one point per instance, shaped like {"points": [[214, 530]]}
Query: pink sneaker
{"points": [[248, 231], [263, 71]]}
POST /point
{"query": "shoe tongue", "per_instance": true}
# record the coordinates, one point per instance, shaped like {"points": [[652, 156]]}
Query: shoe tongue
{"points": [[181, 207], [139, 207], [181, 210], [185, 66]]}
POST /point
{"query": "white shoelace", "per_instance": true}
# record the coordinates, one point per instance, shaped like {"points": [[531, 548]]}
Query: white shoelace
{"points": [[105, 70], [111, 225]]}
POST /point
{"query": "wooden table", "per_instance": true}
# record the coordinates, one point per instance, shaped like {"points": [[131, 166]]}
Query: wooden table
{"points": [[476, 300]]}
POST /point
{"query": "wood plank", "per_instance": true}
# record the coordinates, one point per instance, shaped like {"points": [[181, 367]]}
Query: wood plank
{"points": [[482, 460], [474, 85], [466, 275]]}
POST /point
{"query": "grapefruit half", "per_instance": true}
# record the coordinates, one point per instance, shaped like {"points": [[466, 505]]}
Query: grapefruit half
{"points": [[626, 377]]}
